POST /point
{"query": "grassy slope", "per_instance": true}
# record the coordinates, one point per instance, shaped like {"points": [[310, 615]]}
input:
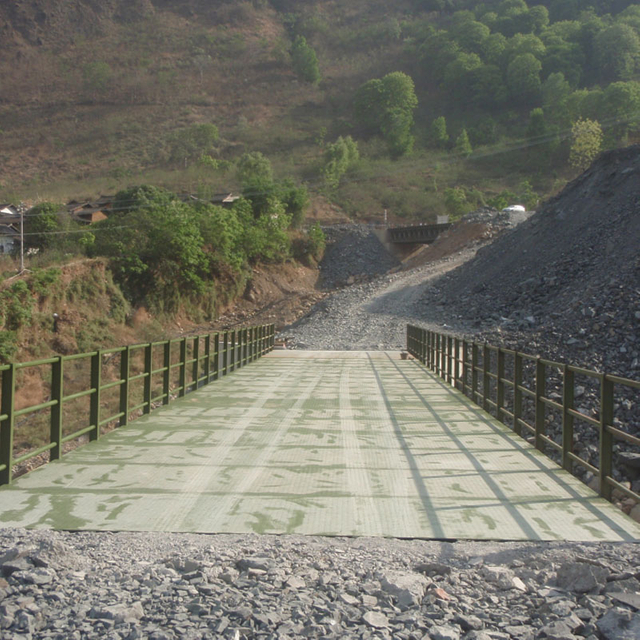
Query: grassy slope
{"points": [[63, 139]]}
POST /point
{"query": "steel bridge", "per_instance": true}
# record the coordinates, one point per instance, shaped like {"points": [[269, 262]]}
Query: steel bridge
{"points": [[416, 234], [327, 443]]}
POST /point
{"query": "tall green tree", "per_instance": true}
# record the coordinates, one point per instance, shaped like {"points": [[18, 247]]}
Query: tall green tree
{"points": [[439, 134], [618, 52], [386, 106], [305, 61], [339, 157], [523, 78], [463, 145]]}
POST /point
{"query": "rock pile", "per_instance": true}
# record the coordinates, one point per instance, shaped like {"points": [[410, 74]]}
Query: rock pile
{"points": [[354, 254], [165, 586], [566, 282]]}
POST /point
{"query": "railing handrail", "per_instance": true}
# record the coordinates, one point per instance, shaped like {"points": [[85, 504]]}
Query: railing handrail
{"points": [[448, 357], [202, 359]]}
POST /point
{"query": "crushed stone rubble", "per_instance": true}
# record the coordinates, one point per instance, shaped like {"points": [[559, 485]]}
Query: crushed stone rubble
{"points": [[162, 586], [354, 254]]}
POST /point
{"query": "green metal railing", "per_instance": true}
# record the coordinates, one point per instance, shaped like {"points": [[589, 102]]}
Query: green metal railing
{"points": [[480, 371], [142, 382]]}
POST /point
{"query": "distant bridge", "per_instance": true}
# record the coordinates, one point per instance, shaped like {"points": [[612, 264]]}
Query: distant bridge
{"points": [[416, 234]]}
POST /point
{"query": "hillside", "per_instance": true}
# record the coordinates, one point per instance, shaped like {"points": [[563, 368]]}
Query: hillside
{"points": [[95, 95]]}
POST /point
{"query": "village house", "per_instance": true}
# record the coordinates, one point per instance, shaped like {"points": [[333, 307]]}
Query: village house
{"points": [[9, 239]]}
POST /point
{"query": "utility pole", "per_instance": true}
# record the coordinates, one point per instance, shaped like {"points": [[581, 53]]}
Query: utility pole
{"points": [[21, 239]]}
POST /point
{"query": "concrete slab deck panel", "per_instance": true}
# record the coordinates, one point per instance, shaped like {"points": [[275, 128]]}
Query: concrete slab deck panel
{"points": [[327, 443]]}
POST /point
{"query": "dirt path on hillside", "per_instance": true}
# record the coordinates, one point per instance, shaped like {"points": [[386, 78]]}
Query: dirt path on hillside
{"points": [[372, 315]]}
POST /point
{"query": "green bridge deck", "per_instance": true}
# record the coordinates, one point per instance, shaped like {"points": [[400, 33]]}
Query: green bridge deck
{"points": [[335, 443]]}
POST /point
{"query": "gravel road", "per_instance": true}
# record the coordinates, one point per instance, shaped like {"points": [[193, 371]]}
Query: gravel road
{"points": [[373, 315]]}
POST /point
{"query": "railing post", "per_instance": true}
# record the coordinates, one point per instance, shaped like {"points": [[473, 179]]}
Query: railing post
{"points": [[606, 439], [423, 346], [443, 357], [207, 358], [541, 387], [464, 367], [252, 344], [56, 410], [500, 385], [216, 356], [474, 372], [183, 368], [486, 380], [456, 362], [232, 366], [517, 393], [568, 391], [432, 351], [166, 374], [124, 387], [449, 359], [96, 383], [6, 427], [148, 368], [195, 370], [225, 353]]}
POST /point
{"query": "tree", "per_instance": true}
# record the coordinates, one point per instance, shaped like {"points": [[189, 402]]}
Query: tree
{"points": [[254, 167], [339, 157], [386, 106], [555, 96], [463, 146], [191, 143], [439, 133], [523, 78], [470, 35], [617, 52], [46, 226], [622, 104], [537, 128], [586, 141], [158, 256], [305, 61]]}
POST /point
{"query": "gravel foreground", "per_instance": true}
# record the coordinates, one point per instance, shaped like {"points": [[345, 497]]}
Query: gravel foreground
{"points": [[160, 586]]}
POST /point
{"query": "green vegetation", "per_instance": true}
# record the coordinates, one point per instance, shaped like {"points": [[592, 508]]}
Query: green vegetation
{"points": [[304, 60], [433, 94]]}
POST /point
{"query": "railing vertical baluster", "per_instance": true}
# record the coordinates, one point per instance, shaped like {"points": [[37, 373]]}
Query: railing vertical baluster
{"points": [[195, 370], [225, 353], [183, 368], [486, 379], [517, 393], [233, 351], [568, 391], [474, 372], [207, 358], [124, 386], [57, 391], [96, 383], [456, 361], [166, 374], [148, 368], [6, 427], [606, 439], [464, 367], [500, 385], [216, 356], [541, 387]]}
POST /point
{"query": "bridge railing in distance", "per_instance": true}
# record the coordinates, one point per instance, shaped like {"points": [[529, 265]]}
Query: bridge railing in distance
{"points": [[514, 388], [89, 393]]}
